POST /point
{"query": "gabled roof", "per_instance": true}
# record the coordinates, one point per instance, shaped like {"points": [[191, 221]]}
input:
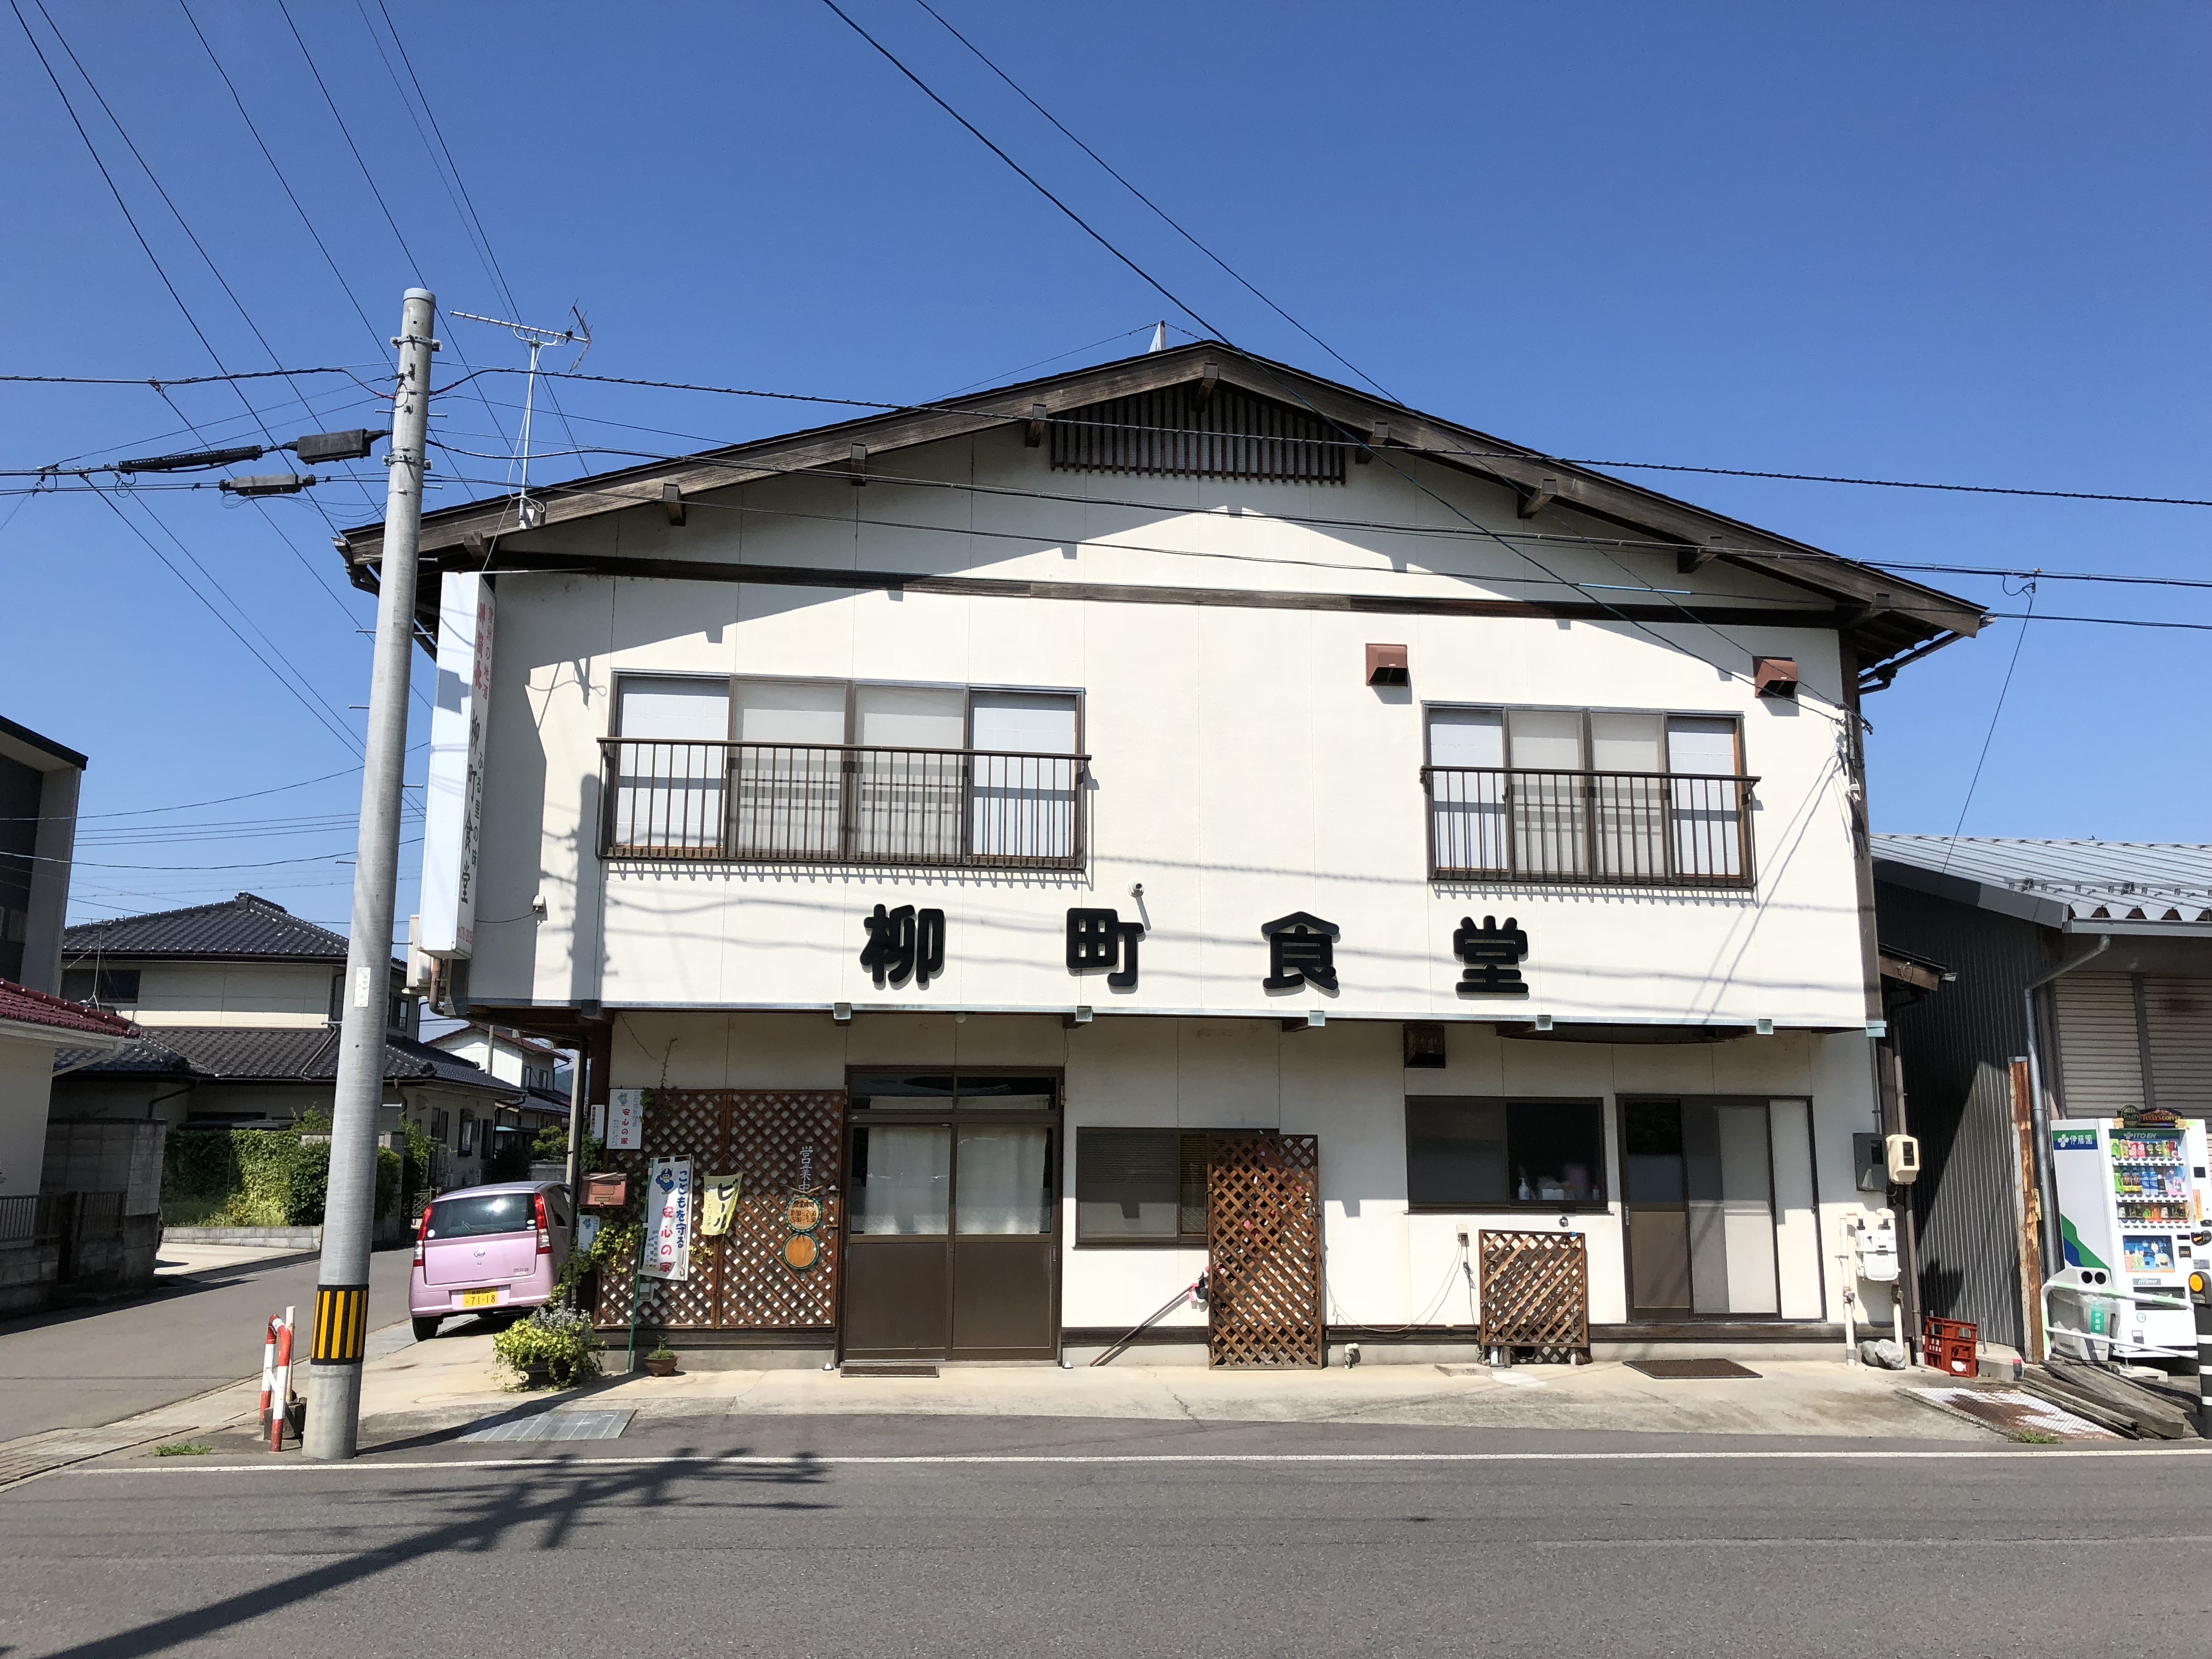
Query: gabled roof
{"points": [[2079, 886], [1890, 619], [21, 1005], [309, 1053], [243, 928]]}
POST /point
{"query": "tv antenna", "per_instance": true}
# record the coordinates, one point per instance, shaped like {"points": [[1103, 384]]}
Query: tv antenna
{"points": [[533, 513]]}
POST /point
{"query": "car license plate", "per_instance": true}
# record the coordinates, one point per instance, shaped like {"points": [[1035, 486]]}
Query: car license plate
{"points": [[480, 1298]]}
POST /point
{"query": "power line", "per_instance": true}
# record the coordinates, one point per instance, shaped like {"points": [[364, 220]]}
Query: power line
{"points": [[1989, 736], [1165, 218], [165, 379]]}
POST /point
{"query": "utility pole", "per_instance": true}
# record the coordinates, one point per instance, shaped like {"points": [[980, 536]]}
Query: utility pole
{"points": [[341, 1328]]}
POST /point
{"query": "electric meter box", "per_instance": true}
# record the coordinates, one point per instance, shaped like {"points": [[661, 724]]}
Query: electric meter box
{"points": [[2128, 1207]]}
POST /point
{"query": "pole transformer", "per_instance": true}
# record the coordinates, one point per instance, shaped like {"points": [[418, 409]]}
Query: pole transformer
{"points": [[341, 1327]]}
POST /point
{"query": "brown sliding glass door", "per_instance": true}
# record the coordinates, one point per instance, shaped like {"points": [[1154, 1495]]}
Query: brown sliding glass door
{"points": [[952, 1247], [1699, 1191]]}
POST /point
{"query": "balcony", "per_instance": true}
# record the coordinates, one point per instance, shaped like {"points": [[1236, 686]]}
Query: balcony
{"points": [[1589, 829], [840, 803]]}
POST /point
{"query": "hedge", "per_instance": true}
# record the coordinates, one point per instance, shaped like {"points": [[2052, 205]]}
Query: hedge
{"points": [[257, 1177]]}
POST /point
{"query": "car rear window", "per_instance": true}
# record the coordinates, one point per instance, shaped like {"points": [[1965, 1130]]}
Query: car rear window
{"points": [[485, 1212]]}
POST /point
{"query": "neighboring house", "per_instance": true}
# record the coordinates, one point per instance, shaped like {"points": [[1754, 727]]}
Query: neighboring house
{"points": [[2080, 984], [542, 1071], [237, 1003], [44, 1221], [39, 782], [1182, 815]]}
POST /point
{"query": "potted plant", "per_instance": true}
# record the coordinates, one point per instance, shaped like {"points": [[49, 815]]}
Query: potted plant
{"points": [[553, 1345], [661, 1362]]}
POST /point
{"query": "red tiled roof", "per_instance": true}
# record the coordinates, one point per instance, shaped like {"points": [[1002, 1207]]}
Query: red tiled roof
{"points": [[29, 1007]]}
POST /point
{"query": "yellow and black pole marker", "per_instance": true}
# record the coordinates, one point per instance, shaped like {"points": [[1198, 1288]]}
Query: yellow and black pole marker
{"points": [[2200, 1298], [341, 1324]]}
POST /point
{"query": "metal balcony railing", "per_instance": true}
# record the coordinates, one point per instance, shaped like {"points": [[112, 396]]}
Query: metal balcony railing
{"points": [[1614, 829], [793, 803]]}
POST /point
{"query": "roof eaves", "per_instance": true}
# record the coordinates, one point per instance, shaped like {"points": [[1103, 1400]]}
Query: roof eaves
{"points": [[1858, 588]]}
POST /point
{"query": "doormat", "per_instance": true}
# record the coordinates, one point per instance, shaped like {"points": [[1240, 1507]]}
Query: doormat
{"points": [[1684, 1371], [2013, 1413], [553, 1426], [884, 1367]]}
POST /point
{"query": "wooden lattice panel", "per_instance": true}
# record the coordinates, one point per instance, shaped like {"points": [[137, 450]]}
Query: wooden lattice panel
{"points": [[784, 1143], [1263, 1253], [1535, 1291], [779, 1142]]}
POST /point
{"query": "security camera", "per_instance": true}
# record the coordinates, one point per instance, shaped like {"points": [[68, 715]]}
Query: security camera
{"points": [[1136, 890]]}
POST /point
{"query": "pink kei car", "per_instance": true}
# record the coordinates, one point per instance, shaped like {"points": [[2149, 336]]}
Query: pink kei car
{"points": [[489, 1247]]}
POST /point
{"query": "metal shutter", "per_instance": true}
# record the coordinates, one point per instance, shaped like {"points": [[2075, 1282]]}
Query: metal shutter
{"points": [[2179, 1015], [2100, 1060]]}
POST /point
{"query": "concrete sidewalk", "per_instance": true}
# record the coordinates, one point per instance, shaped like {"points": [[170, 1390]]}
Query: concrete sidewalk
{"points": [[429, 1386]]}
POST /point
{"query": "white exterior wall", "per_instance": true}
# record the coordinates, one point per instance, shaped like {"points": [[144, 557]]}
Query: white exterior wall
{"points": [[1242, 770], [27, 1070], [231, 994], [1344, 1083]]}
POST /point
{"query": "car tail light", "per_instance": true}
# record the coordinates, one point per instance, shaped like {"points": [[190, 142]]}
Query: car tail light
{"points": [[544, 1233], [422, 1232]]}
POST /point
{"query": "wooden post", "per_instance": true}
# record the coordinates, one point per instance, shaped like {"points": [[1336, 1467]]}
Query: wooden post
{"points": [[2030, 1213]]}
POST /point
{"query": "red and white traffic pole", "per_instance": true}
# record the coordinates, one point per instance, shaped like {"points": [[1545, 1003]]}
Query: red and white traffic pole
{"points": [[269, 1368], [282, 1380]]}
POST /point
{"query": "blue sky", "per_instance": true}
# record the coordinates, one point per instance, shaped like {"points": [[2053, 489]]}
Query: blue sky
{"points": [[1955, 243]]}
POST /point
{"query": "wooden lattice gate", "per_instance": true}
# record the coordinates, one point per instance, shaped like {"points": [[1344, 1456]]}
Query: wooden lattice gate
{"points": [[783, 1144], [1263, 1252], [1536, 1291]]}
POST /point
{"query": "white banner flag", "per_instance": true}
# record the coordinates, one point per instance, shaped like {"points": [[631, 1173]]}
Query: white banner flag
{"points": [[625, 1121], [668, 1220]]}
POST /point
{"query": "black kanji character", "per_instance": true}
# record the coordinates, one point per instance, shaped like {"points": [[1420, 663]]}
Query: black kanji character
{"points": [[1301, 950], [1100, 939], [1491, 953]]}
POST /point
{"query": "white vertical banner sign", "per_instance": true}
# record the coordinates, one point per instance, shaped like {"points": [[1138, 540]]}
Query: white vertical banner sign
{"points": [[668, 1220], [454, 814], [625, 1120]]}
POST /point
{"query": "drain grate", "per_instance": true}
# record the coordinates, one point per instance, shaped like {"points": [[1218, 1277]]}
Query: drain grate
{"points": [[885, 1368], [1689, 1370], [553, 1425], [2013, 1413]]}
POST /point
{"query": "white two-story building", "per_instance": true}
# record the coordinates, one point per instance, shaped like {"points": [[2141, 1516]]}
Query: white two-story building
{"points": [[1183, 813]]}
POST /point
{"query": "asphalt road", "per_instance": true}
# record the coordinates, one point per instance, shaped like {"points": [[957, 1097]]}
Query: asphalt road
{"points": [[1093, 1546], [86, 1366]]}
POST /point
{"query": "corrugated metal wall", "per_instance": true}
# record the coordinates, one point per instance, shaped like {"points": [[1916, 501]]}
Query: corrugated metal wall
{"points": [[2100, 1049], [1956, 1045], [2179, 1012]]}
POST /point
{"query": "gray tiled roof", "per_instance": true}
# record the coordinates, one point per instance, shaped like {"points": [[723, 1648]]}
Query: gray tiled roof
{"points": [[235, 1053], [2141, 882], [247, 925]]}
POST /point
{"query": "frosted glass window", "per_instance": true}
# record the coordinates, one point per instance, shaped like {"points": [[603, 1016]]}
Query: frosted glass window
{"points": [[902, 1179], [911, 716], [1547, 739], [656, 707], [1466, 736], [1709, 815], [670, 784], [790, 711], [1025, 800], [1003, 1185], [1626, 743], [1469, 805]]}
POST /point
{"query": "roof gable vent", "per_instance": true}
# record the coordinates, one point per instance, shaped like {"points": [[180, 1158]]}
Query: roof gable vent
{"points": [[1206, 429]]}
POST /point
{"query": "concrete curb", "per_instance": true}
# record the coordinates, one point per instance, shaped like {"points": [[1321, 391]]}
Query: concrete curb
{"points": [[263, 1238]]}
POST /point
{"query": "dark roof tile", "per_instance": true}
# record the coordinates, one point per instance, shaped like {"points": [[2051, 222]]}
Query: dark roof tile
{"points": [[247, 925]]}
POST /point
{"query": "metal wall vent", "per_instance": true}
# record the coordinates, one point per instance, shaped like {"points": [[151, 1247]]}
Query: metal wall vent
{"points": [[1200, 430]]}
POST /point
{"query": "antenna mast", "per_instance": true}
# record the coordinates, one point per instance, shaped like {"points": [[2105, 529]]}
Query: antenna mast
{"points": [[529, 513]]}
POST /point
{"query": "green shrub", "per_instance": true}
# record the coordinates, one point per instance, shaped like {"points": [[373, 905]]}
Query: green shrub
{"points": [[559, 1338], [259, 1177]]}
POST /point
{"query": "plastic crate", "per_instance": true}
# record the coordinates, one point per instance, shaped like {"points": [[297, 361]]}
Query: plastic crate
{"points": [[1950, 1346], [1953, 1359]]}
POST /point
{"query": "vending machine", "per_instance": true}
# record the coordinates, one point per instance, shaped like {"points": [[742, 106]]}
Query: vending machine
{"points": [[2130, 1199]]}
